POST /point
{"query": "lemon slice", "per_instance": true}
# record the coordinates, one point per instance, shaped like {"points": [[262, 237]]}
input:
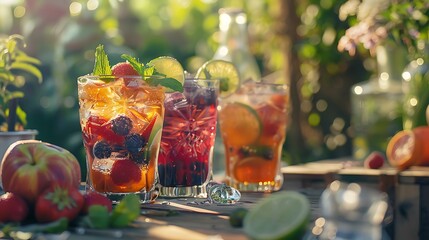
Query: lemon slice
{"points": [[225, 71], [283, 215], [170, 67], [240, 124]]}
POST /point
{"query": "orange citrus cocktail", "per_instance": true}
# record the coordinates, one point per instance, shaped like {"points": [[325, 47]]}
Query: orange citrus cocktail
{"points": [[253, 124]]}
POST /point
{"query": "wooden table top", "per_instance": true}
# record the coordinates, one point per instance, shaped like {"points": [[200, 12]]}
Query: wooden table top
{"points": [[193, 218], [180, 218]]}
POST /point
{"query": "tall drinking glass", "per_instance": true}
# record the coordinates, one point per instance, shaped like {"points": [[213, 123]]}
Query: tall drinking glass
{"points": [[253, 126], [185, 158], [121, 120]]}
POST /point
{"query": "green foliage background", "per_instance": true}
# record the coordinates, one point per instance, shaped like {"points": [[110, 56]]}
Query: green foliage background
{"points": [[187, 30]]}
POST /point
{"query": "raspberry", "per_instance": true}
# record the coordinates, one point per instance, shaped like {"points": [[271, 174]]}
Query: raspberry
{"points": [[102, 149], [122, 125], [134, 142], [374, 161], [124, 69], [125, 172]]}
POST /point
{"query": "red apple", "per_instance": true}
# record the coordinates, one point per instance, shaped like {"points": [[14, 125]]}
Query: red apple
{"points": [[12, 208], [30, 166]]}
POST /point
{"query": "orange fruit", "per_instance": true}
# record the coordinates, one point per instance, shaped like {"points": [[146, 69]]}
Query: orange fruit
{"points": [[409, 148]]}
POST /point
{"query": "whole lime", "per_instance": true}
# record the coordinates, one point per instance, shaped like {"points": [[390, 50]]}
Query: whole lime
{"points": [[237, 216]]}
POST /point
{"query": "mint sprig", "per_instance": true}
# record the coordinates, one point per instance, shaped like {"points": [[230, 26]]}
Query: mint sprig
{"points": [[151, 76], [127, 210], [102, 65]]}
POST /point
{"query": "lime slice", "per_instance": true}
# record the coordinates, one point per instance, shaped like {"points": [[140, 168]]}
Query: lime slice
{"points": [[283, 215], [170, 67], [240, 124], [157, 129], [225, 71]]}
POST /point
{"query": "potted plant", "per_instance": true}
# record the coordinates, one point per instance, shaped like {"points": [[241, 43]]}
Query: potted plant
{"points": [[15, 68]]}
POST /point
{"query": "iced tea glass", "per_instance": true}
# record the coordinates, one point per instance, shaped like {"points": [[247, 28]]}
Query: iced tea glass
{"points": [[253, 126], [121, 120], [185, 158]]}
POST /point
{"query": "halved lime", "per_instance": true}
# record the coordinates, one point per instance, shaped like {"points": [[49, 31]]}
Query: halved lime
{"points": [[170, 67], [240, 124], [283, 215], [225, 71]]}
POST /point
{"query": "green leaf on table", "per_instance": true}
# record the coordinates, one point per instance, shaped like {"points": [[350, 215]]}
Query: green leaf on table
{"points": [[127, 210], [58, 226], [98, 217]]}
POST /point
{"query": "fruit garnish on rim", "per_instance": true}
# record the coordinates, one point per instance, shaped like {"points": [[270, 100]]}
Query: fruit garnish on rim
{"points": [[164, 71], [225, 71]]}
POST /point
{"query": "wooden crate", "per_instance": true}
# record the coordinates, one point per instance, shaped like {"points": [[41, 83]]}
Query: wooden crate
{"points": [[408, 191]]}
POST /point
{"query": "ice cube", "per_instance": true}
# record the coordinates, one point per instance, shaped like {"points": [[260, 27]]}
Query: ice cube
{"points": [[175, 100], [102, 165], [220, 193]]}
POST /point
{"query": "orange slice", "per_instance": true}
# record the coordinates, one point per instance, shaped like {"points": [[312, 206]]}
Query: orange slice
{"points": [[240, 124], [255, 169]]}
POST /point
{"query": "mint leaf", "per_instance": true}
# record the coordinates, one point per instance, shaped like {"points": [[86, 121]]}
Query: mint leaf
{"points": [[149, 70], [170, 83], [98, 217], [127, 210], [135, 63], [102, 65]]}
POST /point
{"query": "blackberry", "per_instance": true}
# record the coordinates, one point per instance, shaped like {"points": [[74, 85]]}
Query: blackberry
{"points": [[140, 157], [207, 99], [102, 149], [122, 125], [134, 142]]}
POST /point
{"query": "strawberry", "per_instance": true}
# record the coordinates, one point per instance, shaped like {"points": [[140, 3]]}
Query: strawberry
{"points": [[374, 161], [58, 201], [94, 198], [125, 172], [13, 208], [124, 69], [103, 129]]}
